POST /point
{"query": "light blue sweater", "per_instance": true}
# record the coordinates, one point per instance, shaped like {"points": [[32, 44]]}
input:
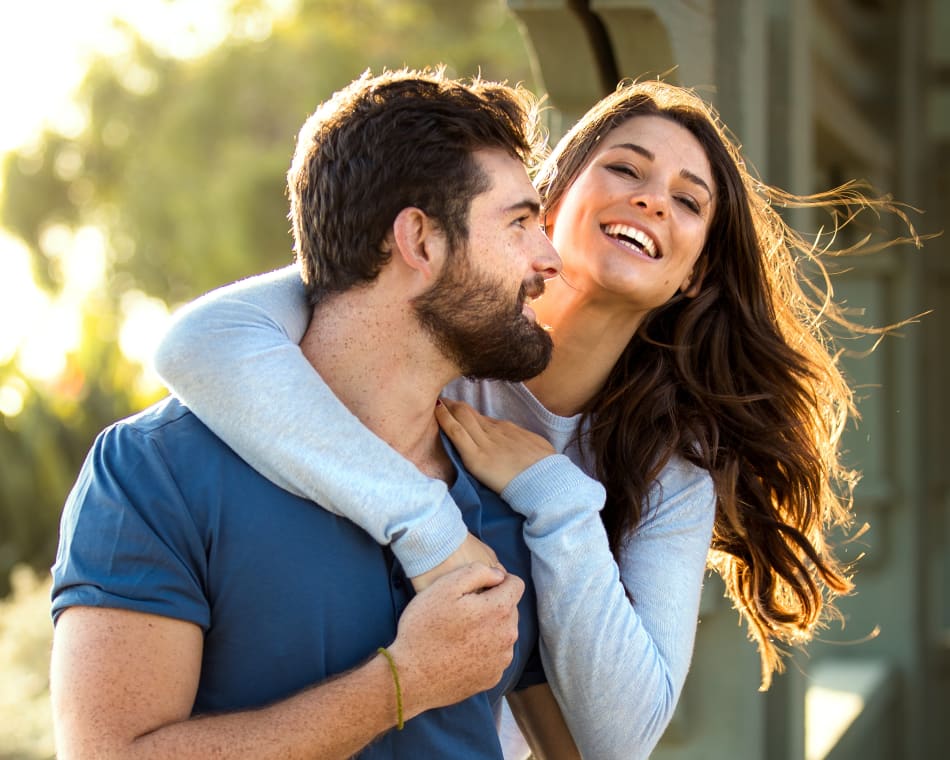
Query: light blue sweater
{"points": [[616, 636]]}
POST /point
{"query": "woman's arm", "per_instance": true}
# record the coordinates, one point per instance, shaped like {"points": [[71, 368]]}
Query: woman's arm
{"points": [[541, 722], [616, 641], [232, 357]]}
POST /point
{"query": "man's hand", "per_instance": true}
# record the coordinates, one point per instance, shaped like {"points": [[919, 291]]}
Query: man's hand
{"points": [[123, 683], [471, 550], [494, 451], [456, 638]]}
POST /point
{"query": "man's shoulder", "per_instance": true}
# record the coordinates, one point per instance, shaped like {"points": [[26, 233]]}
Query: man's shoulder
{"points": [[166, 440], [168, 416], [165, 422]]}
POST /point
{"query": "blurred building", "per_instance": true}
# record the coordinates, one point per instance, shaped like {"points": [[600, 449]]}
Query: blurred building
{"points": [[818, 92]]}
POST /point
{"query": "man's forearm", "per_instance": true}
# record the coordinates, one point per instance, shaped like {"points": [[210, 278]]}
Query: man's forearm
{"points": [[334, 719], [123, 683]]}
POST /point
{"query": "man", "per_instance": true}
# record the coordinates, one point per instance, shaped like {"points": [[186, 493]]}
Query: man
{"points": [[194, 621]]}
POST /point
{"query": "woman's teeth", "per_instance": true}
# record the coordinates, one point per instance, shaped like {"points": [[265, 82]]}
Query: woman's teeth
{"points": [[632, 238]]}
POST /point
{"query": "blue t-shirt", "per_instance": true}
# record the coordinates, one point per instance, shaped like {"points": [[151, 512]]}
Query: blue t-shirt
{"points": [[166, 519]]}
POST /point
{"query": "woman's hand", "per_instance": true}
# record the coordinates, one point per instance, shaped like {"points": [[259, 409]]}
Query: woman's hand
{"points": [[471, 550], [494, 451]]}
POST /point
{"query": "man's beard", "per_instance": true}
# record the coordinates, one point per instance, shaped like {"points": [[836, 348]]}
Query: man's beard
{"points": [[475, 323]]}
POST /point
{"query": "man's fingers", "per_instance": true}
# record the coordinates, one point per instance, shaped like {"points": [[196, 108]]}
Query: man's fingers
{"points": [[507, 593], [474, 577], [471, 550]]}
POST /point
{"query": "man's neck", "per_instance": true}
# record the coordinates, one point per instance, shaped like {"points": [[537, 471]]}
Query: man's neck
{"points": [[381, 365]]}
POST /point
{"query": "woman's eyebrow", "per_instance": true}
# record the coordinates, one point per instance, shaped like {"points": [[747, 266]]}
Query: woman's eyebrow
{"points": [[684, 173], [695, 179], [647, 154]]}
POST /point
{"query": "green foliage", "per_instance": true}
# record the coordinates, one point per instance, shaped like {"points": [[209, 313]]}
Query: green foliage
{"points": [[182, 165], [43, 447], [183, 161], [26, 731]]}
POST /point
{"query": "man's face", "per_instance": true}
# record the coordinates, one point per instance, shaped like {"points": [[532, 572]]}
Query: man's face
{"points": [[477, 309]]}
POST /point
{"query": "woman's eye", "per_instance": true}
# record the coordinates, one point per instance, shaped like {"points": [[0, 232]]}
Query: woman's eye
{"points": [[691, 204], [627, 171]]}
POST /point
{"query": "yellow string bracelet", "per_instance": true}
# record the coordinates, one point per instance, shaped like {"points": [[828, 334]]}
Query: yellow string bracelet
{"points": [[392, 666]]}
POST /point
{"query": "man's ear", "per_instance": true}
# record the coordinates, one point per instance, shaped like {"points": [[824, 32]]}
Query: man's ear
{"points": [[418, 241]]}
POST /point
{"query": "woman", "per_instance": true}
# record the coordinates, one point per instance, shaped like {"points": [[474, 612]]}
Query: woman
{"points": [[691, 376]]}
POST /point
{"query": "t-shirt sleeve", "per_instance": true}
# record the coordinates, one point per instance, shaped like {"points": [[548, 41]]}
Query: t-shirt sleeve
{"points": [[233, 357], [127, 539]]}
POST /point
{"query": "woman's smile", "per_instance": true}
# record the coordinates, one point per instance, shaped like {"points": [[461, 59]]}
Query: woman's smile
{"points": [[647, 193]]}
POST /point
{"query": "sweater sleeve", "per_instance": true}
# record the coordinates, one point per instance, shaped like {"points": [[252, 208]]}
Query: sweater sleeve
{"points": [[616, 641], [233, 357]]}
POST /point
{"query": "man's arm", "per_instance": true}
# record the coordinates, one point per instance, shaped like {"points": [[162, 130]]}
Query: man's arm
{"points": [[123, 683]]}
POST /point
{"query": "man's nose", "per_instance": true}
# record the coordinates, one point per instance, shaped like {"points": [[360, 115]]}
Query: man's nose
{"points": [[546, 261]]}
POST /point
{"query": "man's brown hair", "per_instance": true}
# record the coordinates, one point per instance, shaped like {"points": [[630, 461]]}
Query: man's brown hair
{"points": [[384, 143]]}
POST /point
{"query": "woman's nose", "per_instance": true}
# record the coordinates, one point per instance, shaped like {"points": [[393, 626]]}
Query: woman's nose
{"points": [[651, 201]]}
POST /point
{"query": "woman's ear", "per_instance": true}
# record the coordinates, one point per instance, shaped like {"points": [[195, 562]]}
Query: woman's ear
{"points": [[548, 218], [418, 241], [693, 282]]}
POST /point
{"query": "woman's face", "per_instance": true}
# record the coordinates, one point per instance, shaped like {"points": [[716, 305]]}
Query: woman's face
{"points": [[632, 225]]}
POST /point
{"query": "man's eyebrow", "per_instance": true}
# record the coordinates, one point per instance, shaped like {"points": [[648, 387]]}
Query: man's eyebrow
{"points": [[528, 204], [684, 173]]}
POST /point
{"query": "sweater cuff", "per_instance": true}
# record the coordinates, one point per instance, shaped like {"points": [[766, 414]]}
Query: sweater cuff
{"points": [[550, 479], [432, 541]]}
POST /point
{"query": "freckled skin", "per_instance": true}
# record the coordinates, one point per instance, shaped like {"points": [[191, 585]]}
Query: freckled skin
{"points": [[123, 683]]}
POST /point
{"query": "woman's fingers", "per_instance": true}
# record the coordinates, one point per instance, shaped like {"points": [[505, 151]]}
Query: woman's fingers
{"points": [[494, 451], [457, 432], [470, 420], [467, 429]]}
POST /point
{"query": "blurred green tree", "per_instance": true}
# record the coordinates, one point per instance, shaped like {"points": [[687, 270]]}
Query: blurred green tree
{"points": [[181, 164]]}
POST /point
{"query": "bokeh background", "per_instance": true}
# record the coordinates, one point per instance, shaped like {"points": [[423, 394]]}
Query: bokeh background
{"points": [[143, 147]]}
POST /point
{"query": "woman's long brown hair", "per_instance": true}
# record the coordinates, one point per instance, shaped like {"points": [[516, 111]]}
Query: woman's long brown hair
{"points": [[741, 380]]}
